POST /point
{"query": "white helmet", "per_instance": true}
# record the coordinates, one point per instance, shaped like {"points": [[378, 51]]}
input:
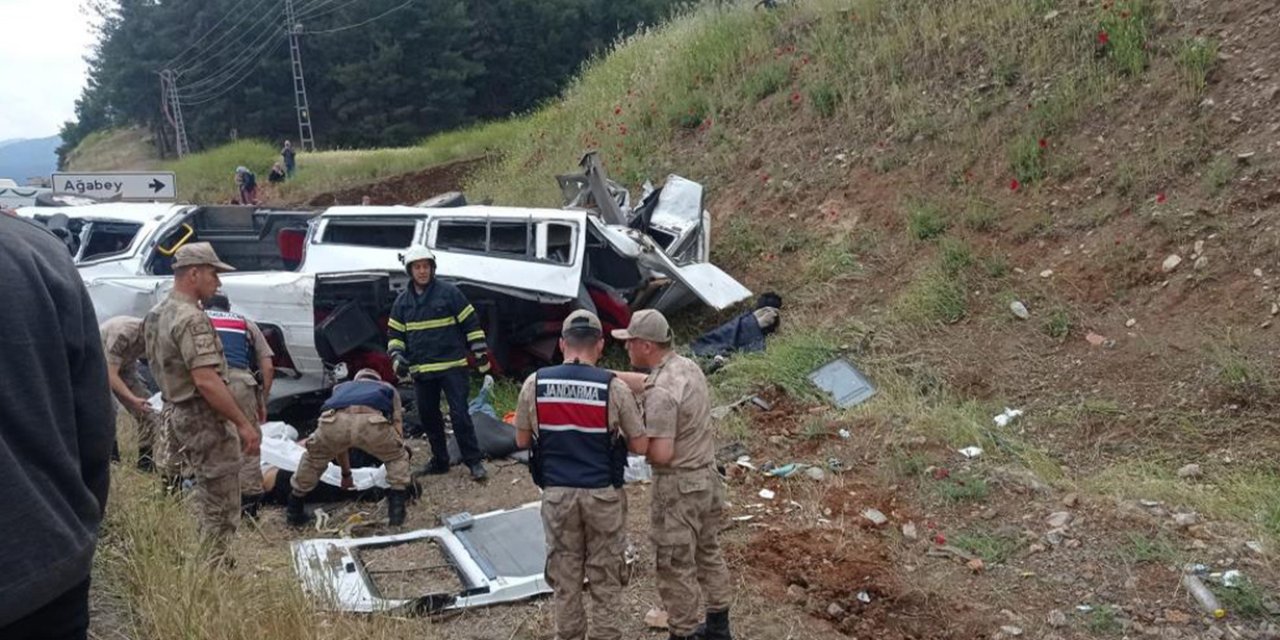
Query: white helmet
{"points": [[415, 253]]}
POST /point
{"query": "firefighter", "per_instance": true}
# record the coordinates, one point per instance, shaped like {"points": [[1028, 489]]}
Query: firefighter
{"points": [[431, 328]]}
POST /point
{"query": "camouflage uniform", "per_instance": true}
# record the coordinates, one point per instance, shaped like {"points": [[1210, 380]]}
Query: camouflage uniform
{"points": [[356, 427], [122, 341], [245, 389], [688, 496], [586, 530], [180, 338]]}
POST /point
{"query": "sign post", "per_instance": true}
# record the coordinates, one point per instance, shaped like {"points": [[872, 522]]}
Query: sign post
{"points": [[118, 185]]}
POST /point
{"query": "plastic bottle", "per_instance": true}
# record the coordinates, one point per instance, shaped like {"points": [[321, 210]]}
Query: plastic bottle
{"points": [[1203, 595]]}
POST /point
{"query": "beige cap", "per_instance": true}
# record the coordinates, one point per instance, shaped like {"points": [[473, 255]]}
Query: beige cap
{"points": [[581, 319], [646, 324], [368, 374], [198, 253]]}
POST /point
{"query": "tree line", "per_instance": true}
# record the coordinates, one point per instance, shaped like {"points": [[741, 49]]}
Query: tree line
{"points": [[424, 66]]}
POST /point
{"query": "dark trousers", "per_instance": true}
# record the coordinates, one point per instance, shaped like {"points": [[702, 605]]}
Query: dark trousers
{"points": [[455, 387], [66, 618]]}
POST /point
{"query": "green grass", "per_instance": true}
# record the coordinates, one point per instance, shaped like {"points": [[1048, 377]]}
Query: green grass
{"points": [[1218, 174], [766, 80], [1154, 548], [994, 547], [1247, 600], [962, 488], [934, 297], [825, 98], [1196, 58], [926, 219], [995, 265], [786, 362], [1026, 159], [981, 216], [1057, 325], [1240, 377], [1127, 25], [1103, 620], [837, 259], [955, 256]]}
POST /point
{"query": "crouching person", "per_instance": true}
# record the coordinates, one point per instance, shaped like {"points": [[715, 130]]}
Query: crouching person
{"points": [[365, 414], [581, 421]]}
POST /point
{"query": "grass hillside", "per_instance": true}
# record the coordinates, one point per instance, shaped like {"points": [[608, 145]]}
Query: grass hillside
{"points": [[903, 172]]}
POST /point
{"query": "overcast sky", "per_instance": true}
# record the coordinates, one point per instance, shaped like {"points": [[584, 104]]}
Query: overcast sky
{"points": [[42, 49]]}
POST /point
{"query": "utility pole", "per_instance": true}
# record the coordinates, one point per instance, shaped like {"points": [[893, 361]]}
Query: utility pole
{"points": [[173, 111], [306, 140]]}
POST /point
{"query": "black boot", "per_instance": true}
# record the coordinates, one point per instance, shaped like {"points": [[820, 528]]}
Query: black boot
{"points": [[249, 506], [295, 514], [676, 637], [435, 468], [717, 626], [395, 507], [145, 463], [478, 472]]}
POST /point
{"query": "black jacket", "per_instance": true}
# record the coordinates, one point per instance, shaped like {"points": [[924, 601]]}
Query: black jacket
{"points": [[57, 422], [434, 329]]}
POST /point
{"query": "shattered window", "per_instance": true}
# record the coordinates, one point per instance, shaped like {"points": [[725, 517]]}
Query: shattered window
{"points": [[508, 238], [382, 234], [559, 243], [108, 239]]}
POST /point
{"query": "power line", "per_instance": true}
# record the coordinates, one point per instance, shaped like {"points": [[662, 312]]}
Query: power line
{"points": [[250, 53], [315, 10], [360, 24], [204, 54], [250, 56], [210, 97], [231, 47]]}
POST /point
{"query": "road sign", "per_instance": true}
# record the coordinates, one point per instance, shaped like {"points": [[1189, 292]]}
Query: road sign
{"points": [[118, 185]]}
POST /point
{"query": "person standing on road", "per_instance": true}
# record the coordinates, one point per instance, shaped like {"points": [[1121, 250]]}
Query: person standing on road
{"points": [[366, 414], [250, 373], [124, 347], [211, 431], [57, 426], [581, 421], [287, 154], [431, 328], [688, 493]]}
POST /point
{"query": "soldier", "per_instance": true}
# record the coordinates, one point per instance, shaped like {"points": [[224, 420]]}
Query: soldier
{"points": [[581, 422], [365, 414], [688, 493], [248, 357], [186, 358], [123, 344]]}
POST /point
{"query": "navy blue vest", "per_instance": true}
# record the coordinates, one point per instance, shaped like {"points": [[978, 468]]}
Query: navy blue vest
{"points": [[362, 393], [574, 446], [233, 330]]}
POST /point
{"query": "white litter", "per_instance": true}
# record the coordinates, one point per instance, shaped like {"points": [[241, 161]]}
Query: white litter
{"points": [[742, 518], [1005, 418], [767, 494], [844, 433], [864, 597], [745, 463], [970, 452]]}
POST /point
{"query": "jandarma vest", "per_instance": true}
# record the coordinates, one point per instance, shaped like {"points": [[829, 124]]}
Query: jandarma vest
{"points": [[233, 330], [363, 393], [574, 446]]}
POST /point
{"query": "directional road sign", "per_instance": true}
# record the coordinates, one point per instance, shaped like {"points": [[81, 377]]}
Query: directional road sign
{"points": [[118, 185]]}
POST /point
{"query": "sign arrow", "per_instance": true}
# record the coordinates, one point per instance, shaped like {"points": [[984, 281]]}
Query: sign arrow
{"points": [[156, 185]]}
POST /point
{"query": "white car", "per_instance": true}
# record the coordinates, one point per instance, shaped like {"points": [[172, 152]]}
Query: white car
{"points": [[321, 283]]}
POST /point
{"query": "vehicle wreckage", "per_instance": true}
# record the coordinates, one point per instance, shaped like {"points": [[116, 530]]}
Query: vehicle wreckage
{"points": [[320, 283]]}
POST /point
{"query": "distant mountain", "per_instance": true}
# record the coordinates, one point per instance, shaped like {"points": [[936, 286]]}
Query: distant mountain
{"points": [[23, 159]]}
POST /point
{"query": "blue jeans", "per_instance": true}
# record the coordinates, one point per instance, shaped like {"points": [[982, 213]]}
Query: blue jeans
{"points": [[455, 387]]}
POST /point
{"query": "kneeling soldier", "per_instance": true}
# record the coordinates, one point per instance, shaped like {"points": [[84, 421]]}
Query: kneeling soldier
{"points": [[365, 414], [581, 421]]}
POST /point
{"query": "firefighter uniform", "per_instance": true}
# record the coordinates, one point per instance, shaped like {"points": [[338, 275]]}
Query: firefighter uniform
{"points": [[122, 341], [243, 344], [581, 417], [432, 331], [179, 338]]}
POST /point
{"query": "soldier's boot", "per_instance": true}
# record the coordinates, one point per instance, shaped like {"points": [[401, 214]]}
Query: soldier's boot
{"points": [[295, 514], [717, 627], [395, 507], [145, 462], [249, 506]]}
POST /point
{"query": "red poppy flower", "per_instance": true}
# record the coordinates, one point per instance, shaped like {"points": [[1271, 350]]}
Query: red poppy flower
{"points": [[1124, 14], [940, 539], [1044, 144], [764, 177], [1103, 38], [617, 110], [1014, 184], [1160, 198], [795, 98], [622, 129]]}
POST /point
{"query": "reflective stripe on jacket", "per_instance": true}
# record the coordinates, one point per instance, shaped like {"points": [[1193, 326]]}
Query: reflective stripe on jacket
{"points": [[433, 330]]}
